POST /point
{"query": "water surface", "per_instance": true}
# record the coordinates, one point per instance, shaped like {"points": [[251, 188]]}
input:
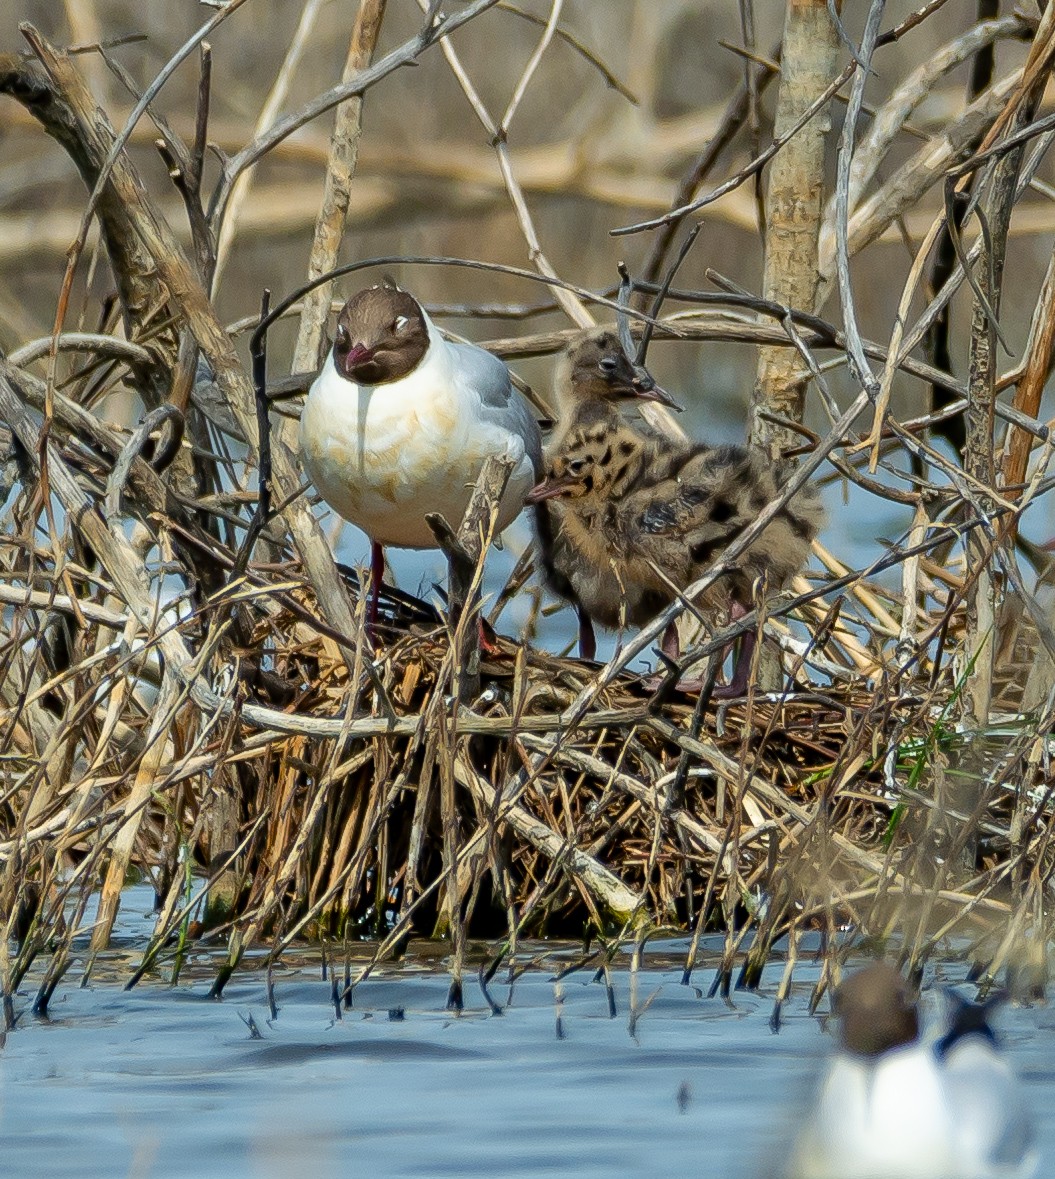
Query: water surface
{"points": [[162, 1081]]}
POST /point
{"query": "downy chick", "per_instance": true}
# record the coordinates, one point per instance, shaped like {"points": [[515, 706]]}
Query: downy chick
{"points": [[595, 385], [646, 516]]}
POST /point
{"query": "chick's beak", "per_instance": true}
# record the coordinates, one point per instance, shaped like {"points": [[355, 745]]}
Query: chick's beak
{"points": [[548, 489], [646, 389]]}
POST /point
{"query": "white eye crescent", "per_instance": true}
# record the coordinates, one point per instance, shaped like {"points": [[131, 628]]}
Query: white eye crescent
{"points": [[342, 334], [401, 322]]}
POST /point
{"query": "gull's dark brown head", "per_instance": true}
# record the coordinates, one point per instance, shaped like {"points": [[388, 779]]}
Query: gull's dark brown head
{"points": [[877, 1011], [596, 368], [381, 336]]}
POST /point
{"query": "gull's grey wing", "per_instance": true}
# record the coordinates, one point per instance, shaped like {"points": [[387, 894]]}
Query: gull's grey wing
{"points": [[499, 400]]}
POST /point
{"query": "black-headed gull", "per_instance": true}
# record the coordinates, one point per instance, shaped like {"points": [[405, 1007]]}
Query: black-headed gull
{"points": [[894, 1105], [400, 422]]}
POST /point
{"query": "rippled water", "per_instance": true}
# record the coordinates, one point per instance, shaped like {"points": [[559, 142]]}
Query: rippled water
{"points": [[162, 1081]]}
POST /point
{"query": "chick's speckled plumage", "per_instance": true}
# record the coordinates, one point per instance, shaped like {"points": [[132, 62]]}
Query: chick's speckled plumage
{"points": [[597, 386], [637, 516]]}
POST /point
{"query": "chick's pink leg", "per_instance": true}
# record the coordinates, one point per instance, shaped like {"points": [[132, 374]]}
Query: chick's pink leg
{"points": [[737, 686], [587, 639], [670, 644]]}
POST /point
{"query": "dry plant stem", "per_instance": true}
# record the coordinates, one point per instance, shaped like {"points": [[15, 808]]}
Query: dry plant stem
{"points": [[286, 126], [890, 119], [859, 367], [756, 165], [452, 923], [268, 114], [182, 169], [982, 597], [113, 550], [704, 326], [134, 808], [620, 901], [1042, 329], [901, 319], [794, 203], [736, 113], [465, 554], [910, 575], [694, 831], [979, 463], [498, 133], [113, 171], [63, 105], [344, 155], [1040, 349], [918, 175], [93, 342], [908, 340], [98, 128]]}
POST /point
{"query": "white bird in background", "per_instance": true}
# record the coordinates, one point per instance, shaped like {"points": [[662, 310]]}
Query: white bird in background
{"points": [[895, 1106], [400, 422]]}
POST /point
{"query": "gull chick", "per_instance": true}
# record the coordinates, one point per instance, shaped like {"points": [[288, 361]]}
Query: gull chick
{"points": [[642, 517], [896, 1106], [595, 385], [400, 422]]}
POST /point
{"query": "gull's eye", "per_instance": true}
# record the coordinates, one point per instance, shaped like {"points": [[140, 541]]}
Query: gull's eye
{"points": [[608, 365], [399, 323], [342, 335]]}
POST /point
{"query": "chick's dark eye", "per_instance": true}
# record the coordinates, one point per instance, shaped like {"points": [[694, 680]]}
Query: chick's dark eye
{"points": [[576, 466], [608, 365]]}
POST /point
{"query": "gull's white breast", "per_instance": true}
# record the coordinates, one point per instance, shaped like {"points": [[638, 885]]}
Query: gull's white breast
{"points": [[879, 1121], [384, 455], [912, 1116]]}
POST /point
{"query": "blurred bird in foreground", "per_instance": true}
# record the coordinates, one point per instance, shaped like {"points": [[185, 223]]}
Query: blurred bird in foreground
{"points": [[893, 1105]]}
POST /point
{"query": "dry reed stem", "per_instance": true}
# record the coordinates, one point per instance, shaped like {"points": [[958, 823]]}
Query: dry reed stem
{"points": [[337, 195], [276, 99], [794, 204]]}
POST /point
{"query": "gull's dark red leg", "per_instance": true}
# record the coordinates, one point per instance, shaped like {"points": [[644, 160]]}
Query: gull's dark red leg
{"points": [[489, 644], [377, 574]]}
